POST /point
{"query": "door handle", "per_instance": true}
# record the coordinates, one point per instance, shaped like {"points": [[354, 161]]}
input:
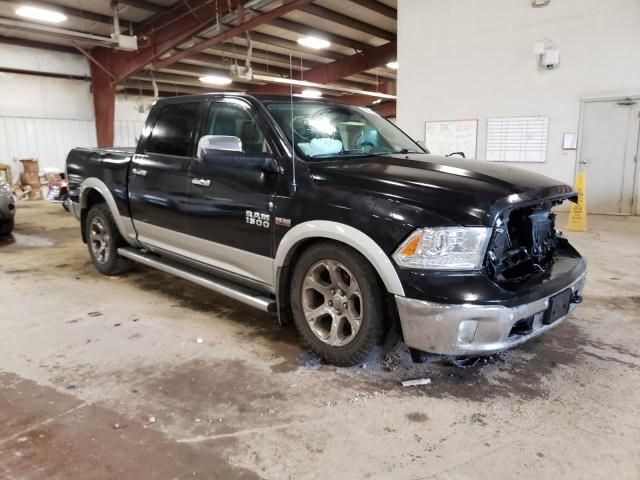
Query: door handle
{"points": [[139, 171], [584, 162], [201, 182]]}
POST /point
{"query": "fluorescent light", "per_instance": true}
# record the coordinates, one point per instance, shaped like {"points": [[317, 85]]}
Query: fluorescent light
{"points": [[393, 65], [41, 14], [311, 93], [376, 101], [215, 80], [314, 42]]}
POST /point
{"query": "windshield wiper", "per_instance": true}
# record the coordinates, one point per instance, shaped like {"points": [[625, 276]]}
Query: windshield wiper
{"points": [[356, 152], [404, 151], [360, 153]]}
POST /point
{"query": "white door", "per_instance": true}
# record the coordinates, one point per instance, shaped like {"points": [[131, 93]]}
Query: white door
{"points": [[608, 154]]}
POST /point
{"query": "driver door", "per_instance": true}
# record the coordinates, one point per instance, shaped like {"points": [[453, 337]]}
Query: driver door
{"points": [[230, 214]]}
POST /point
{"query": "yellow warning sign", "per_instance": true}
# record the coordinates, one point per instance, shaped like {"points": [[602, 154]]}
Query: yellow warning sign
{"points": [[578, 212]]}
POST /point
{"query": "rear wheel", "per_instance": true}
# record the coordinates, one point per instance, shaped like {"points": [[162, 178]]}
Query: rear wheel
{"points": [[337, 303], [103, 241]]}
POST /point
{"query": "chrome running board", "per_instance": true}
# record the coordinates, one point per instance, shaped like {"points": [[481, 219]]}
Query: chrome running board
{"points": [[224, 287]]}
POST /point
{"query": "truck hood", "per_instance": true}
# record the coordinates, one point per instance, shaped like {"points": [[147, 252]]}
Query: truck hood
{"points": [[467, 192]]}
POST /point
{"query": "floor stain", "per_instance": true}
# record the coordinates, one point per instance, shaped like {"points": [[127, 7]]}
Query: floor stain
{"points": [[417, 417], [43, 423]]}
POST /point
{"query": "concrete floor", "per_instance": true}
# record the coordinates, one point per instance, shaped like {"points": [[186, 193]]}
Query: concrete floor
{"points": [[83, 354]]}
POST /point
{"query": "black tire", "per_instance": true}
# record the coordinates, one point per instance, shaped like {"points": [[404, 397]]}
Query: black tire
{"points": [[110, 263], [6, 227], [370, 303]]}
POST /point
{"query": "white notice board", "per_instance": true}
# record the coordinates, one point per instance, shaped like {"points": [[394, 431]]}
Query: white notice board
{"points": [[517, 139], [445, 137]]}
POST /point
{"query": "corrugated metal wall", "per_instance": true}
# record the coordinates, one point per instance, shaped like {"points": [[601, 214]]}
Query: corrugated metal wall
{"points": [[46, 139], [127, 132], [49, 140]]}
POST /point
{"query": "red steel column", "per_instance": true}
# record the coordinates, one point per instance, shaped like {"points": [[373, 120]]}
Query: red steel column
{"points": [[104, 105]]}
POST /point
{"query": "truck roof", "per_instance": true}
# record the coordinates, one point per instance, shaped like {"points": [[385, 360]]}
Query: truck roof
{"points": [[262, 97]]}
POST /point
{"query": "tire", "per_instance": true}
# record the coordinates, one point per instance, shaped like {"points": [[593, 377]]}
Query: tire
{"points": [[340, 316], [103, 241], [6, 227]]}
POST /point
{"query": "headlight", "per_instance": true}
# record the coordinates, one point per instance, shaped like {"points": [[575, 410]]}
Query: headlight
{"points": [[444, 248]]}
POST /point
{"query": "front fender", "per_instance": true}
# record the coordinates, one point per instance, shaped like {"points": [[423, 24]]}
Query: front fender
{"points": [[348, 235]]}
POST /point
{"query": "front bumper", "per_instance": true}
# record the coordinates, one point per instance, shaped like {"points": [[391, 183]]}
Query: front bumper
{"points": [[471, 329]]}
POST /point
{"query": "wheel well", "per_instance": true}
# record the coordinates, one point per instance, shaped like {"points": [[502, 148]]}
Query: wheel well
{"points": [[286, 272], [93, 197]]}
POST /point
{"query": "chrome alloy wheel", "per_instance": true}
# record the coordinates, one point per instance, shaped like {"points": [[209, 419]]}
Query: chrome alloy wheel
{"points": [[100, 240], [332, 302]]}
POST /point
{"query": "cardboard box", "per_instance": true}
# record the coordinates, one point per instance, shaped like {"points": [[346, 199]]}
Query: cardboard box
{"points": [[5, 173], [35, 194], [30, 165], [31, 179], [53, 178]]}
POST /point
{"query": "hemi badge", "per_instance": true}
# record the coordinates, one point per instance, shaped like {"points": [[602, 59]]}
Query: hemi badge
{"points": [[283, 222]]}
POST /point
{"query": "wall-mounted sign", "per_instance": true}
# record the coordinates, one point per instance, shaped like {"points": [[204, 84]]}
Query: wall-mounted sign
{"points": [[569, 141], [517, 139], [445, 137]]}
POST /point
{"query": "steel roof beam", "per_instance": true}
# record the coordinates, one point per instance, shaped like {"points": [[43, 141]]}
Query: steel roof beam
{"points": [[306, 30], [378, 7], [334, 71], [144, 5], [74, 12], [346, 21], [261, 19]]}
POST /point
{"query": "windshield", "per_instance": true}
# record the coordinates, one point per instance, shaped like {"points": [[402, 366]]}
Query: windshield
{"points": [[326, 131]]}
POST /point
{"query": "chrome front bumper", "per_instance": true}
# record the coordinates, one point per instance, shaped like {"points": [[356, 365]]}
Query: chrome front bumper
{"points": [[469, 329]]}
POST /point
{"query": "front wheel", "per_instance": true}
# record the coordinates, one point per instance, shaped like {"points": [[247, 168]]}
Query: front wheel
{"points": [[337, 303], [103, 240]]}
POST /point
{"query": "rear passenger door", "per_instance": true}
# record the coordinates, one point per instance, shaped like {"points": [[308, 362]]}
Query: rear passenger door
{"points": [[158, 177]]}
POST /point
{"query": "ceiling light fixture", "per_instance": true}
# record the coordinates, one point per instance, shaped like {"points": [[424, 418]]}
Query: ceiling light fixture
{"points": [[314, 42], [311, 93], [40, 14], [393, 65], [215, 80]]}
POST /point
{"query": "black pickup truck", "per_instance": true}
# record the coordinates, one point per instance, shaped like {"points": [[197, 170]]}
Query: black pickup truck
{"points": [[332, 217]]}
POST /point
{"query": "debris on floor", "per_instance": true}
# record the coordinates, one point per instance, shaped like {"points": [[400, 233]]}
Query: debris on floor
{"points": [[479, 418], [199, 340], [416, 382], [309, 360]]}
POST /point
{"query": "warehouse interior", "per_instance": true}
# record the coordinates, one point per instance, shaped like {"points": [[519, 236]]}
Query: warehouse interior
{"points": [[164, 370]]}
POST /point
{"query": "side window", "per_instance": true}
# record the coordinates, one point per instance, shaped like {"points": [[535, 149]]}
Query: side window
{"points": [[172, 132], [235, 120]]}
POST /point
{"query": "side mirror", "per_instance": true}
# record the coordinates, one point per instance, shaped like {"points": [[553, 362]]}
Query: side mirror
{"points": [[457, 153], [227, 143]]}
